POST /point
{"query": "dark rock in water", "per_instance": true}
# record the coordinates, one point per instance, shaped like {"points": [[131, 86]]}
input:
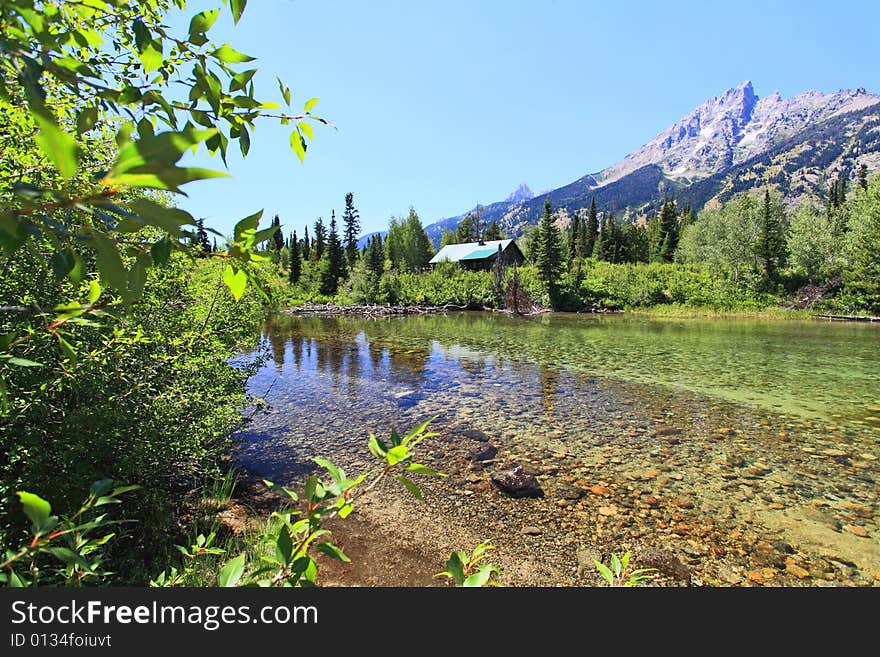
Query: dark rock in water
{"points": [[408, 401], [473, 434], [516, 482], [483, 452], [666, 562]]}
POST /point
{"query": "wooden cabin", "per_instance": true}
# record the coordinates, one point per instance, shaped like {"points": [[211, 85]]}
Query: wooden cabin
{"points": [[480, 255]]}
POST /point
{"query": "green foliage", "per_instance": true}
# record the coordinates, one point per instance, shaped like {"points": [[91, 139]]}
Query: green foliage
{"points": [[467, 571], [352, 228], [548, 252], [65, 550], [407, 245], [862, 279], [619, 574], [445, 284]]}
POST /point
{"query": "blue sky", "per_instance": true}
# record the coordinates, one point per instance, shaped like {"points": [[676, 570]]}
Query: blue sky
{"points": [[443, 105]]}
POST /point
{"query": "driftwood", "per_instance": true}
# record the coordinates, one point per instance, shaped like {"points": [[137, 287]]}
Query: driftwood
{"points": [[849, 318], [373, 310]]}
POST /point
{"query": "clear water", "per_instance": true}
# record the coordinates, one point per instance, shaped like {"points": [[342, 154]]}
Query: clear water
{"points": [[736, 414]]}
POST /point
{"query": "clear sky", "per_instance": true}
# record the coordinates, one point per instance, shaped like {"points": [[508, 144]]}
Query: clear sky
{"points": [[443, 105]]}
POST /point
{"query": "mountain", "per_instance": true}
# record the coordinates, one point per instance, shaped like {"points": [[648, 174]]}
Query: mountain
{"points": [[730, 143]]}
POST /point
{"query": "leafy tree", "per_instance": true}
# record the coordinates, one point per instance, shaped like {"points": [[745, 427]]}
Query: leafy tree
{"points": [[277, 236], [409, 247], [548, 252], [295, 263], [813, 247], [78, 74], [448, 237], [352, 228], [862, 278], [319, 241]]}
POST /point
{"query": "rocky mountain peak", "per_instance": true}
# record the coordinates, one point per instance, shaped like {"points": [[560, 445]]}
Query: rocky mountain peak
{"points": [[730, 128], [521, 193]]}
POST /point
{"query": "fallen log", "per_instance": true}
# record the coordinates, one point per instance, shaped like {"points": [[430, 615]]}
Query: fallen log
{"points": [[849, 318]]}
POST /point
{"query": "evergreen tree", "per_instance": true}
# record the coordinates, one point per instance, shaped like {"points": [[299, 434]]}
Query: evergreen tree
{"points": [[548, 252], [687, 218], [351, 221], [201, 239], [493, 232], [277, 236], [295, 272], [214, 246], [335, 267], [592, 228], [466, 232], [770, 247], [863, 176], [306, 246], [582, 248], [319, 241], [668, 231], [573, 232]]}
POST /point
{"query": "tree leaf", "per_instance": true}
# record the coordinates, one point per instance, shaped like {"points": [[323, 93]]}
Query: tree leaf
{"points": [[23, 362], [203, 21], [310, 103], [229, 55], [235, 281], [480, 577], [284, 544], [336, 473], [410, 486], [109, 263], [35, 508], [94, 291], [298, 144], [151, 55], [418, 468], [237, 7], [333, 552], [155, 214], [285, 91], [396, 454], [231, 572], [56, 144], [306, 129]]}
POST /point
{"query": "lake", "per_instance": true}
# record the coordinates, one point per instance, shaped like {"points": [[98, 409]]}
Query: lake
{"points": [[768, 431]]}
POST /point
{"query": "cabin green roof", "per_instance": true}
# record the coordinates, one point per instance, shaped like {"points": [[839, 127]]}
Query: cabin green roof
{"points": [[469, 251]]}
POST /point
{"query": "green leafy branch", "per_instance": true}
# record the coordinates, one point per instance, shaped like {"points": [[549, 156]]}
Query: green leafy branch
{"points": [[74, 541], [619, 574]]}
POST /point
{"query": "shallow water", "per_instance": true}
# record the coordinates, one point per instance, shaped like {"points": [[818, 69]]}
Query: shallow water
{"points": [[739, 416]]}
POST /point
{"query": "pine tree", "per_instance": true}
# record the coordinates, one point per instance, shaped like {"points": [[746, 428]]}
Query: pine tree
{"points": [[335, 268], [465, 232], [277, 236], [214, 246], [863, 176], [583, 248], [771, 241], [574, 231], [592, 228], [295, 263], [319, 241], [548, 252], [668, 231], [351, 221], [201, 239], [493, 232], [306, 246]]}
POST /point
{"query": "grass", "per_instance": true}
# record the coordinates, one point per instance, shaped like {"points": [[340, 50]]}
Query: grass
{"points": [[677, 310]]}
